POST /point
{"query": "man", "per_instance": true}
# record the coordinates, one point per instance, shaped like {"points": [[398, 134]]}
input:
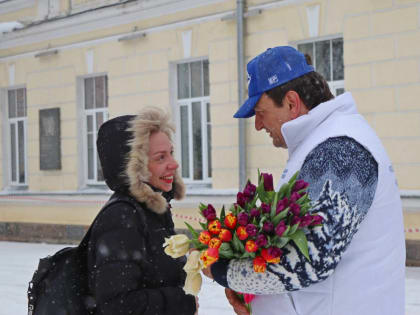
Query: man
{"points": [[358, 256]]}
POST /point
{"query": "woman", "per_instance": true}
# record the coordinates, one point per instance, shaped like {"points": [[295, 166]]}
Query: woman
{"points": [[129, 273]]}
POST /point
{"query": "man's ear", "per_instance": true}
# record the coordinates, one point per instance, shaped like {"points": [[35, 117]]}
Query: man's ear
{"points": [[295, 104]]}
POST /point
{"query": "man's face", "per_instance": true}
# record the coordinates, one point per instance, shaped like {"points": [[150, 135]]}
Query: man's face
{"points": [[270, 117]]}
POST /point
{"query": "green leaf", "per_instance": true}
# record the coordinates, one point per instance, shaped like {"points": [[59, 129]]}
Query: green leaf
{"points": [[269, 241], [203, 225], [247, 255], [222, 215], [198, 245], [254, 202], [299, 238], [225, 246], [289, 189], [302, 200], [255, 222], [261, 193], [293, 178], [202, 207], [225, 251], [302, 190], [262, 220], [239, 208], [235, 243], [276, 220], [234, 210], [293, 229], [194, 233], [304, 209], [282, 241], [283, 190], [287, 230], [270, 194], [273, 207]]}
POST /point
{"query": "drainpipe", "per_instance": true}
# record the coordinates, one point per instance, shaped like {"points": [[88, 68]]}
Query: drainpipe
{"points": [[241, 90]]}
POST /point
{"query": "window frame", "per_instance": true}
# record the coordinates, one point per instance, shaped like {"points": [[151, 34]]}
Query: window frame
{"points": [[83, 113], [7, 146], [206, 181], [333, 84]]}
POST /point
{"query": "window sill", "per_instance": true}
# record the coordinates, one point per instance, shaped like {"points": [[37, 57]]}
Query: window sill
{"points": [[16, 189]]}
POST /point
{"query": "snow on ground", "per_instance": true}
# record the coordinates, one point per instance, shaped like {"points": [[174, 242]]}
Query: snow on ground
{"points": [[19, 260]]}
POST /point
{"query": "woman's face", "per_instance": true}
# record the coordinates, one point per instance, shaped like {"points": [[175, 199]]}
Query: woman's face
{"points": [[162, 164]]}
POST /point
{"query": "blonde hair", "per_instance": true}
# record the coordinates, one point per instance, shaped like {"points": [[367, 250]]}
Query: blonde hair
{"points": [[149, 120]]}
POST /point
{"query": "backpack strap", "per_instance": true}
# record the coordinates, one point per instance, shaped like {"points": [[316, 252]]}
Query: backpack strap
{"points": [[116, 198]]}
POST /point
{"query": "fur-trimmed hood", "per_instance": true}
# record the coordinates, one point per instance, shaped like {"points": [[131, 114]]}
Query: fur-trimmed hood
{"points": [[123, 146]]}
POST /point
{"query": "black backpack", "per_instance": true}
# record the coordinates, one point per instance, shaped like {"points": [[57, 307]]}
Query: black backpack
{"points": [[59, 286]]}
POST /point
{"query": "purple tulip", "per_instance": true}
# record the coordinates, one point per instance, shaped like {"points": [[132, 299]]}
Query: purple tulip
{"points": [[265, 208], [295, 208], [275, 251], [243, 218], [268, 227], [299, 185], [296, 220], [261, 240], [280, 228], [209, 213], [249, 191], [281, 205], [268, 181], [241, 199], [251, 229], [306, 220], [295, 197], [317, 219], [255, 213]]}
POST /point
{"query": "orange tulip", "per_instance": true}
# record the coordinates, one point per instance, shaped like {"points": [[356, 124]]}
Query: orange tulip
{"points": [[209, 256], [250, 246], [259, 264], [230, 221], [241, 232], [215, 227], [269, 258], [215, 242], [204, 237], [225, 235]]}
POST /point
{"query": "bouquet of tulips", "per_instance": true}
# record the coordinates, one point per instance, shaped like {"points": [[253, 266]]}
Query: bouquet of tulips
{"points": [[257, 226]]}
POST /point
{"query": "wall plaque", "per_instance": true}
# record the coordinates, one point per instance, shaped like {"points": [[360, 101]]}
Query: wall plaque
{"points": [[49, 139]]}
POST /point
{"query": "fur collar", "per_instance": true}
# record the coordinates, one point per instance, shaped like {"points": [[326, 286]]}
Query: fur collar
{"points": [[137, 171]]}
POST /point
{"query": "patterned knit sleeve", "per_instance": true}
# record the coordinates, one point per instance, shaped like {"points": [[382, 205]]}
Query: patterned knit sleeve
{"points": [[342, 177]]}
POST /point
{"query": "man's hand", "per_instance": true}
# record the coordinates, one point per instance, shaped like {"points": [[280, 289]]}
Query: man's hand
{"points": [[238, 306]]}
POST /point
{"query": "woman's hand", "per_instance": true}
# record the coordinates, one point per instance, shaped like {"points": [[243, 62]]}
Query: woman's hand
{"points": [[238, 306], [207, 272]]}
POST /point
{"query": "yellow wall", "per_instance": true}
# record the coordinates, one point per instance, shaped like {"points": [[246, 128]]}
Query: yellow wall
{"points": [[382, 70]]}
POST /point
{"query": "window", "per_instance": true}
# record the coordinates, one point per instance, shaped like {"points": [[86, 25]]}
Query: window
{"points": [[17, 112], [193, 104], [95, 103], [327, 58]]}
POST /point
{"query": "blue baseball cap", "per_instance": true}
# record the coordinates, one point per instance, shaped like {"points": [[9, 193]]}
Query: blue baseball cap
{"points": [[272, 68]]}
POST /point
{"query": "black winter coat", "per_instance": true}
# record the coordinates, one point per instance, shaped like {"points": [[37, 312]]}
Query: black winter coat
{"points": [[129, 273]]}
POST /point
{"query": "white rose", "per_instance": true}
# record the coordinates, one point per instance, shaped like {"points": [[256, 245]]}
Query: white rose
{"points": [[193, 283], [194, 263], [177, 245]]}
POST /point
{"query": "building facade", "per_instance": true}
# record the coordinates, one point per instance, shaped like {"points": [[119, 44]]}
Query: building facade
{"points": [[66, 66]]}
